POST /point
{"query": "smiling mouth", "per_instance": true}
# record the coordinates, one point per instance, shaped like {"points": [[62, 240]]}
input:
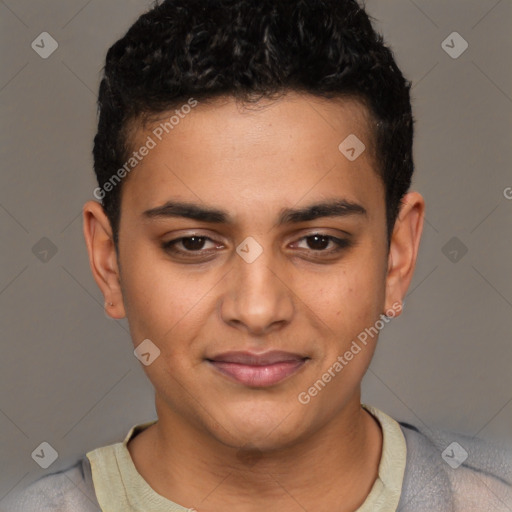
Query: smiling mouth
{"points": [[258, 370]]}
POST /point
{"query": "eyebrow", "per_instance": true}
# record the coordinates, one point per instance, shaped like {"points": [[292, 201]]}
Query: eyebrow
{"points": [[330, 208]]}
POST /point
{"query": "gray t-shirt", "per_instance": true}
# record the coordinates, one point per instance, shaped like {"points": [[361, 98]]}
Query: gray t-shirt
{"points": [[440, 472]]}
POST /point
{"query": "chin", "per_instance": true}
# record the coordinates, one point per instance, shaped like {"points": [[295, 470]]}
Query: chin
{"points": [[268, 429]]}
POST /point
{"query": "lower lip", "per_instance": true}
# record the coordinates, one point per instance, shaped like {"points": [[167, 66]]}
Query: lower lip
{"points": [[258, 376]]}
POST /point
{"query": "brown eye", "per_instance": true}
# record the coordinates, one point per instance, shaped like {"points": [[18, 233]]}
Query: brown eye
{"points": [[193, 243], [318, 242], [187, 244]]}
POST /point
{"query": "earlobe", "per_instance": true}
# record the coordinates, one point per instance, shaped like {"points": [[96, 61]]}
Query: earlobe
{"points": [[103, 257], [404, 245]]}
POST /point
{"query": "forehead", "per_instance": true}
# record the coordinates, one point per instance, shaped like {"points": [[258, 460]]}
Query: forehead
{"points": [[265, 154]]}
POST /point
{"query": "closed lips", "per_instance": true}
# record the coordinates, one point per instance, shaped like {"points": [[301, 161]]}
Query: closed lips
{"points": [[257, 370], [252, 359]]}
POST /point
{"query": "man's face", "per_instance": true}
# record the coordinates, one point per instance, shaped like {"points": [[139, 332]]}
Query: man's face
{"points": [[304, 294]]}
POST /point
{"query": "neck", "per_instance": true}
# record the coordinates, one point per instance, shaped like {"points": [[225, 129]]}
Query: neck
{"points": [[337, 464]]}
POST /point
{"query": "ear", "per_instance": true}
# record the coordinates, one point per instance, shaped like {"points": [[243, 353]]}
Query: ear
{"points": [[103, 257], [403, 251]]}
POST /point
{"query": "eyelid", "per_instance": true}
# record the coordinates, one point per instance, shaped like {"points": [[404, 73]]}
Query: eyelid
{"points": [[180, 234], [174, 241], [340, 243], [326, 232], [296, 236], [203, 255]]}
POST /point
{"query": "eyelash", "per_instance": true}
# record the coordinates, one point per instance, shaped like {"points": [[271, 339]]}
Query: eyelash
{"points": [[169, 246]]}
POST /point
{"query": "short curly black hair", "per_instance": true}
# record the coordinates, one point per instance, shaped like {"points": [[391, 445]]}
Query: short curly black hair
{"points": [[250, 50]]}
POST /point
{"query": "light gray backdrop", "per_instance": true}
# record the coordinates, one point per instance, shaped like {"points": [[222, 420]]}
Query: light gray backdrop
{"points": [[68, 374]]}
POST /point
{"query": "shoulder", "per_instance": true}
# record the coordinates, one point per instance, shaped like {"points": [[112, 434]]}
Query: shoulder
{"points": [[69, 490], [446, 471]]}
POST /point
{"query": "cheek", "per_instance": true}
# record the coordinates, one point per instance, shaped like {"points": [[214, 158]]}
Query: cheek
{"points": [[349, 304], [159, 299], [351, 299]]}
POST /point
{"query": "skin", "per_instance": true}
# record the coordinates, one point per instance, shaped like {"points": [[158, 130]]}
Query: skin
{"points": [[217, 442]]}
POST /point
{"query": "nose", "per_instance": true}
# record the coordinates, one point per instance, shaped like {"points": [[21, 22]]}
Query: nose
{"points": [[257, 299]]}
